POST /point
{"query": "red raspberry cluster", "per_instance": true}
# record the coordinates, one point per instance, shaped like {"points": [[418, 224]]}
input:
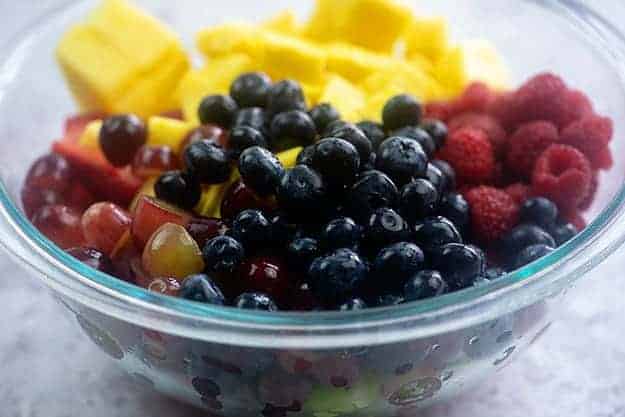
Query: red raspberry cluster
{"points": [[543, 139]]}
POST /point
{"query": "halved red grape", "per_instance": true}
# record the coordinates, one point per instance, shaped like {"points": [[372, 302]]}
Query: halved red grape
{"points": [[151, 214], [49, 172], [93, 258], [239, 197], [104, 224], [151, 161], [60, 224]]}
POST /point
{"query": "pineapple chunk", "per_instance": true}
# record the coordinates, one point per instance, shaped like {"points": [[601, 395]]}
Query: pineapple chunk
{"points": [[483, 63], [451, 72], [355, 63], [90, 137], [427, 37], [348, 99], [289, 57], [214, 78], [210, 203], [138, 36], [163, 131], [325, 24], [284, 22], [289, 157], [231, 38]]}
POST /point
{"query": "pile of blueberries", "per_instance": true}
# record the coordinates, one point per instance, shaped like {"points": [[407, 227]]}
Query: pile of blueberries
{"points": [[366, 218]]}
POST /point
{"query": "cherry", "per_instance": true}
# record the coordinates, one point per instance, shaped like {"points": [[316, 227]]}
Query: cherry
{"points": [[49, 172], [269, 275], [93, 258], [203, 229], [239, 197], [60, 224], [151, 161], [104, 224]]}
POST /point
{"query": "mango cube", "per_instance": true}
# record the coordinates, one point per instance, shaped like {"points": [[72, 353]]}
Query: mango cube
{"points": [[289, 157], [284, 22], [163, 131], [451, 72], [325, 23], [483, 63], [122, 60], [427, 37], [90, 137], [230, 38], [348, 99], [289, 57], [355, 63]]}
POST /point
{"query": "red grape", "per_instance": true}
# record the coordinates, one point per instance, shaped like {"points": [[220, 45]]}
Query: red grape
{"points": [[49, 172], [104, 224], [203, 229], [35, 198], [239, 197], [93, 258], [151, 161], [60, 224], [269, 275]]}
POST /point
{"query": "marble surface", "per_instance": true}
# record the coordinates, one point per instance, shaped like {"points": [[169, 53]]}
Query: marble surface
{"points": [[50, 369]]}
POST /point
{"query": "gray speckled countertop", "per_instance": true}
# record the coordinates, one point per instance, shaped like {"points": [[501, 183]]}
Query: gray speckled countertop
{"points": [[50, 369]]}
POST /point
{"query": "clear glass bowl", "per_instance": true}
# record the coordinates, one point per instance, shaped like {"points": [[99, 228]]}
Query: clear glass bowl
{"points": [[382, 362]]}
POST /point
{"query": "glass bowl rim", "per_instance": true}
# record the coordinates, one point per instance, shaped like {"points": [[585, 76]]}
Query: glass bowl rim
{"points": [[470, 306]]}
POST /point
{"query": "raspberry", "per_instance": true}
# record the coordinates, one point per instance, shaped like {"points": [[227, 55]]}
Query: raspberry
{"points": [[576, 219], [493, 213], [591, 135], [543, 97], [470, 153], [527, 144], [502, 109], [487, 123], [439, 110], [604, 159], [577, 106], [562, 174], [592, 192], [519, 192], [476, 98]]}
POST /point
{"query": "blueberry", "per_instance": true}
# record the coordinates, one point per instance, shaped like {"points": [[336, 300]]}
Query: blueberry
{"points": [[353, 304], [291, 129], [437, 130], [402, 110], [252, 229], [285, 96], [203, 289], [448, 172], [437, 178], [178, 189], [302, 252], [370, 164], [260, 170], [425, 284], [434, 232], [217, 110], [339, 233], [242, 138], [532, 253], [459, 264], [207, 162], [337, 124], [421, 136], [494, 273], [373, 190], [322, 115], [562, 233], [251, 89], [395, 264], [523, 236], [402, 159], [388, 300], [454, 207], [305, 156], [385, 227], [356, 137], [419, 199], [255, 301], [337, 276], [302, 194], [282, 230], [253, 117], [223, 254], [337, 161], [374, 131], [540, 211]]}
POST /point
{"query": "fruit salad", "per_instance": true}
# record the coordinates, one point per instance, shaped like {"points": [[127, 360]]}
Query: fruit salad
{"points": [[310, 165]]}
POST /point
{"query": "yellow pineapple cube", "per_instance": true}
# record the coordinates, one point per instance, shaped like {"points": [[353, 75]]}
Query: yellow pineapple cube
{"points": [[348, 99], [231, 38], [288, 158], [451, 72], [326, 22], [483, 63], [90, 137], [427, 37], [284, 22], [290, 57], [163, 131], [355, 63]]}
